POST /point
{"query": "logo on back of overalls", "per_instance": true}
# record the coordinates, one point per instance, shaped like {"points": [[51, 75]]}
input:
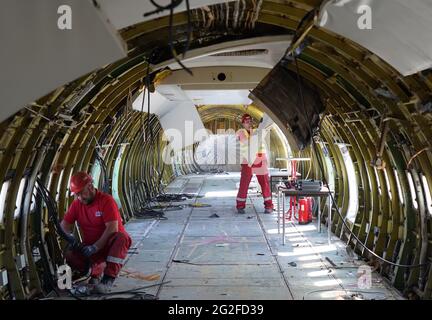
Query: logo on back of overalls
{"points": [[99, 213]]}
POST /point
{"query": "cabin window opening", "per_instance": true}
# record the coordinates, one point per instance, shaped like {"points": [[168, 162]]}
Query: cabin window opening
{"points": [[413, 191], [427, 194], [3, 193], [352, 183], [19, 197], [399, 188]]}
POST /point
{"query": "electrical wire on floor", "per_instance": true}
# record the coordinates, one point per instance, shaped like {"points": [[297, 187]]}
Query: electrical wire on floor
{"points": [[219, 264], [155, 207], [132, 294], [104, 169], [174, 4], [350, 294], [144, 208], [150, 214]]}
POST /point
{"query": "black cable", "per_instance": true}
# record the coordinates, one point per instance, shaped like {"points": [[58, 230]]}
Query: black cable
{"points": [[52, 209], [302, 21], [132, 291], [140, 201], [347, 291], [327, 185], [142, 106], [159, 8], [150, 214], [174, 4], [43, 192], [170, 41], [159, 170], [189, 29], [147, 83], [104, 169]]}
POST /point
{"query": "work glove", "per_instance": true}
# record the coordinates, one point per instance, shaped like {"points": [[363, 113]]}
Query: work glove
{"points": [[89, 250], [73, 242]]}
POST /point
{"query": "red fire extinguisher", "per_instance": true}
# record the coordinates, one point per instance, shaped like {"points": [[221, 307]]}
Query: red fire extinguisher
{"points": [[304, 212], [310, 205]]}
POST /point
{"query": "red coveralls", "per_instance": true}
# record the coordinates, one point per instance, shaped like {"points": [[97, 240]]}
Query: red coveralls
{"points": [[91, 220], [260, 168]]}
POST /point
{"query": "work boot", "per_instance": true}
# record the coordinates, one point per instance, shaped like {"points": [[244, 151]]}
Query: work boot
{"points": [[94, 280], [268, 210], [241, 210], [104, 286]]}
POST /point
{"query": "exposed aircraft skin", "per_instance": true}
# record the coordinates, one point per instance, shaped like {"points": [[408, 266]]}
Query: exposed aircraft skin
{"points": [[383, 118]]}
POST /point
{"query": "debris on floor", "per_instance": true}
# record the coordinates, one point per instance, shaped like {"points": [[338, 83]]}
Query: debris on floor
{"points": [[199, 205], [222, 244], [331, 262], [226, 255], [139, 275]]}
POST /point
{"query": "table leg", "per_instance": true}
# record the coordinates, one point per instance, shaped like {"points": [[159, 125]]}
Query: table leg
{"points": [[319, 214], [271, 188], [283, 218], [278, 210], [329, 219]]}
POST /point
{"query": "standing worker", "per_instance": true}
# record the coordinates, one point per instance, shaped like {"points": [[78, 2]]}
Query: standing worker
{"points": [[105, 240], [258, 167]]}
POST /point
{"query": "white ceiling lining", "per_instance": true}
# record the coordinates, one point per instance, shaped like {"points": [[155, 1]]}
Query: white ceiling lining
{"points": [[400, 34], [125, 13], [36, 56]]}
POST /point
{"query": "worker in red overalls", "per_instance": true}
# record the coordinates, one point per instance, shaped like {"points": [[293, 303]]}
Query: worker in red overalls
{"points": [[105, 240], [248, 168]]}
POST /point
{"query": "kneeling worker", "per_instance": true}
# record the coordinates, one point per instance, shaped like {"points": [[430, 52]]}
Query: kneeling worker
{"points": [[105, 240], [259, 166]]}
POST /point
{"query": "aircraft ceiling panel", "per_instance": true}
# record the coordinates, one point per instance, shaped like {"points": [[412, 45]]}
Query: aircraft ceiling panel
{"points": [[38, 56], [400, 31], [128, 12]]}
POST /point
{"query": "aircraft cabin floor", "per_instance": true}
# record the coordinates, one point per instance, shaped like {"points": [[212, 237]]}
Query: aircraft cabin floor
{"points": [[238, 256]]}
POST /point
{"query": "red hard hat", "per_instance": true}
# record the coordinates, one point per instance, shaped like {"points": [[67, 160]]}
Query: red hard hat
{"points": [[245, 117], [79, 180]]}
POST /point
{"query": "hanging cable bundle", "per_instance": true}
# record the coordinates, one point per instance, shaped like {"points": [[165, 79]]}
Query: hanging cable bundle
{"points": [[45, 195], [104, 169], [174, 4]]}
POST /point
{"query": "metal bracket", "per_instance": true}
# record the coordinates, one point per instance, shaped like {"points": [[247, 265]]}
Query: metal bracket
{"points": [[3, 278], [21, 261]]}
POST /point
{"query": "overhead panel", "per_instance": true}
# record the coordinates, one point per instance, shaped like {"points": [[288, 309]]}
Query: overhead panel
{"points": [[177, 114], [217, 78], [278, 94], [258, 52], [127, 12], [398, 31], [36, 43]]}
